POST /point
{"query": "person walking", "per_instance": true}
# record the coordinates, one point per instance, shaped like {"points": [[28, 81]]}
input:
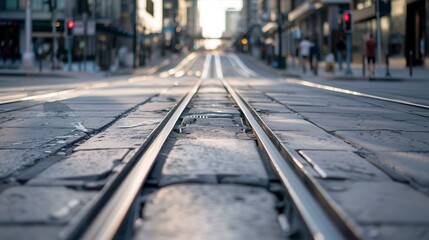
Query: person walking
{"points": [[304, 50], [314, 57], [341, 47], [370, 53]]}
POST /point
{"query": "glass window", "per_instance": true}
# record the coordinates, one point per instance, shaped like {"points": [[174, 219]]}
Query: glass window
{"points": [[9, 4]]}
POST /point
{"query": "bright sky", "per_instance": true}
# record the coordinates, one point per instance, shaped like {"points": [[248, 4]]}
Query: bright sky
{"points": [[212, 15]]}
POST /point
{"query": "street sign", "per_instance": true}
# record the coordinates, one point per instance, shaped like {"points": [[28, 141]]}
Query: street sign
{"points": [[79, 29]]}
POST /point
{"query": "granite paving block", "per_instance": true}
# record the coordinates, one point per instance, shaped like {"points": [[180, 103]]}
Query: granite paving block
{"points": [[380, 202], [23, 204], [91, 163], [343, 165], [210, 212], [382, 141], [413, 166], [194, 131], [214, 156], [314, 140], [201, 110]]}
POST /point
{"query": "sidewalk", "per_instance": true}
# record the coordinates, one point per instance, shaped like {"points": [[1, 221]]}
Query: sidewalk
{"points": [[397, 73], [77, 70]]}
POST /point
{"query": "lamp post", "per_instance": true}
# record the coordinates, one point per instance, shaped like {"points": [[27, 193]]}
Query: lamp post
{"points": [[28, 56], [279, 31]]}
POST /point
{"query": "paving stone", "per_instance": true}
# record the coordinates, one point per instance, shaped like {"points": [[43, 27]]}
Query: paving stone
{"points": [[93, 163], [200, 110], [336, 124], [41, 204], [396, 232], [59, 122], [383, 141], [213, 132], [14, 160], [270, 107], [314, 140], [413, 166], [380, 202], [33, 232], [205, 90], [210, 212], [286, 122], [156, 107], [116, 138], [214, 156], [61, 107], [343, 165], [32, 138], [344, 109]]}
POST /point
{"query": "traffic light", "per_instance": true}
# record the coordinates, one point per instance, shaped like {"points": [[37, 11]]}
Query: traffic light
{"points": [[70, 25], [347, 22]]}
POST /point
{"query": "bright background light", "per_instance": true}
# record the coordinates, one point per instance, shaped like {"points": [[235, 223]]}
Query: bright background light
{"points": [[212, 15]]}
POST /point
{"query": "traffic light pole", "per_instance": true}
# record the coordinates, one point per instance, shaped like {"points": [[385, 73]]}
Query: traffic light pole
{"points": [[348, 70], [377, 12]]}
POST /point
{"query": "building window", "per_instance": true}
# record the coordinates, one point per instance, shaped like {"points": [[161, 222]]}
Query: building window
{"points": [[9, 4], [149, 7]]}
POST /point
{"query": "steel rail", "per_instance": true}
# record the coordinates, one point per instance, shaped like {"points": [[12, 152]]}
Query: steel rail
{"points": [[354, 93], [320, 225], [114, 204], [71, 92]]}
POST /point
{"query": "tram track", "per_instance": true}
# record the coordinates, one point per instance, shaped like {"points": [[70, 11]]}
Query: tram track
{"points": [[114, 206]]}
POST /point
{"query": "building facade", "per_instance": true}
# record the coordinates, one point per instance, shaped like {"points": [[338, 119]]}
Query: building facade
{"points": [[404, 29]]}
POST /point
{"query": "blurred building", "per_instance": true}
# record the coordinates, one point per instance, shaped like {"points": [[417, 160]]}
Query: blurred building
{"points": [[232, 22], [175, 21], [114, 28], [404, 28]]}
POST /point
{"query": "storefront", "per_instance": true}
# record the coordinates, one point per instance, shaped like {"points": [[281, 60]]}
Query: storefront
{"points": [[403, 31]]}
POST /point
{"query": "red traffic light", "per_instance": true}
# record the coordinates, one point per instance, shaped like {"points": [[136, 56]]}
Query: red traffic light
{"points": [[346, 17], [70, 24]]}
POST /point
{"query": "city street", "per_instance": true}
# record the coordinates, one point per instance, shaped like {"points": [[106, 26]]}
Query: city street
{"points": [[189, 144]]}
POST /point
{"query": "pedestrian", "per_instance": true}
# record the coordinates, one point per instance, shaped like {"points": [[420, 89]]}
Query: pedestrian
{"points": [[314, 57], [304, 51], [370, 53], [341, 47]]}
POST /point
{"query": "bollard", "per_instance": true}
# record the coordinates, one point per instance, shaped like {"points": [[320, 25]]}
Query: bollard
{"points": [[363, 65], [411, 63], [387, 64]]}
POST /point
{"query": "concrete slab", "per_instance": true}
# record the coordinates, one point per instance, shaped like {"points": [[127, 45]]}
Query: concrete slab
{"points": [[92, 163], [383, 141], [314, 140], [339, 124], [289, 123], [380, 202], [413, 166], [116, 138], [210, 212], [343, 165], [270, 107], [201, 110], [14, 160], [41, 204], [396, 232], [32, 138], [59, 122], [155, 107], [214, 156], [33, 232]]}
